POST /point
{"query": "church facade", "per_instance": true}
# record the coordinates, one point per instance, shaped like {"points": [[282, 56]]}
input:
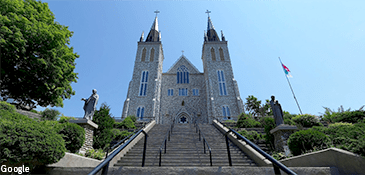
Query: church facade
{"points": [[183, 94]]}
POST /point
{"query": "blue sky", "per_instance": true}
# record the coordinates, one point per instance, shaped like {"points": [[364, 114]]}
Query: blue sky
{"points": [[321, 42]]}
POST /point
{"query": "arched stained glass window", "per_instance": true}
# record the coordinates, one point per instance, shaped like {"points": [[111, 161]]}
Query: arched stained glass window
{"points": [[140, 112], [221, 83], [143, 86], [225, 111], [182, 75]]}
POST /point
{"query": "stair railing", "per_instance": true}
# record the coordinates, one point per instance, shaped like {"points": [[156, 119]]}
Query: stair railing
{"points": [[105, 164], [276, 164], [204, 142], [167, 138]]}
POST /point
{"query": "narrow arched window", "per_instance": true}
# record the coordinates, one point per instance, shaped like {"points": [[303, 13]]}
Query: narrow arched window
{"points": [[152, 54], [182, 75], [221, 54], [226, 113], [143, 86], [143, 55], [140, 112], [212, 52], [221, 83]]}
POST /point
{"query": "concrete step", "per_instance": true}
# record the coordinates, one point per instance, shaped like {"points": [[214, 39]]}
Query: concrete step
{"points": [[185, 149]]}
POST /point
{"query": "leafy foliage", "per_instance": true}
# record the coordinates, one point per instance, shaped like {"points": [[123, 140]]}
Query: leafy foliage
{"points": [[251, 135], [7, 107], [95, 154], [103, 135], [288, 118], [74, 136], [26, 141], [269, 124], [134, 118], [128, 123], [307, 120], [37, 65], [120, 135], [304, 140], [246, 121], [64, 119], [350, 137], [254, 107], [50, 114], [343, 115]]}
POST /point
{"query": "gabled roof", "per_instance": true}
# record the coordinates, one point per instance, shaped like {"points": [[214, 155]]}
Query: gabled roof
{"points": [[183, 61]]}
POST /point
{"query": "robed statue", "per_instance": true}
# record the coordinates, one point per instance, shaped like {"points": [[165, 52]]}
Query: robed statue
{"points": [[90, 105], [277, 111]]}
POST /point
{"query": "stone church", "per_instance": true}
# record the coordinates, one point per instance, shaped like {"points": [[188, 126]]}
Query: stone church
{"points": [[183, 94]]}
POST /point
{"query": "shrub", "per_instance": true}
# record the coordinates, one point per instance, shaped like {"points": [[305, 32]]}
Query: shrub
{"points": [[307, 120], [26, 141], [50, 114], [103, 135], [288, 118], [350, 116], [269, 124], [134, 118], [64, 119], [128, 123], [251, 135], [7, 107], [304, 140], [74, 136], [336, 125], [350, 137], [246, 121], [95, 154], [119, 135]]}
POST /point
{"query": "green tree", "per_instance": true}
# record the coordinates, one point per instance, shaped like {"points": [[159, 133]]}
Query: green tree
{"points": [[103, 134], [50, 114], [37, 64], [254, 107]]}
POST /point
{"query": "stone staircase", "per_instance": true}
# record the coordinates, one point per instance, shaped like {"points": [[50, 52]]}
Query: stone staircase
{"points": [[184, 149]]}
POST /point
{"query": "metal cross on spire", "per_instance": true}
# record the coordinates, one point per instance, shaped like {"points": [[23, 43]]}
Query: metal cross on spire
{"points": [[207, 12], [157, 12]]}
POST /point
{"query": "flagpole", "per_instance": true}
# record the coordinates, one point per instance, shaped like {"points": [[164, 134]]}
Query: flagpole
{"points": [[291, 89]]}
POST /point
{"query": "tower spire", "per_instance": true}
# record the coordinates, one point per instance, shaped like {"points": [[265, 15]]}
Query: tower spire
{"points": [[154, 34], [211, 33]]}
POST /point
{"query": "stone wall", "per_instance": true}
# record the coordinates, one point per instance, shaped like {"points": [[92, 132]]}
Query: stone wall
{"points": [[89, 133], [29, 114]]}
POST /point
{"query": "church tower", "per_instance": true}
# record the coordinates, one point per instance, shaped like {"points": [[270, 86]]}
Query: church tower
{"points": [[143, 98], [223, 97]]}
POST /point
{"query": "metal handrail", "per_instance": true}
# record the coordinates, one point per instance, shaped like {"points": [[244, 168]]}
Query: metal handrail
{"points": [[167, 137], [204, 142], [274, 162], [105, 163]]}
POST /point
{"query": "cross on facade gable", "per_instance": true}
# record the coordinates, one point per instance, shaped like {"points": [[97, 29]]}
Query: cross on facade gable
{"points": [[157, 12], [207, 12]]}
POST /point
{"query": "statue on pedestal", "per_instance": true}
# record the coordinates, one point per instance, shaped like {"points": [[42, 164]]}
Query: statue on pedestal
{"points": [[90, 105], [277, 111]]}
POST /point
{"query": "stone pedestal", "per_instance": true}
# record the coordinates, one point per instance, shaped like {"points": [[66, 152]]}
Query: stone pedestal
{"points": [[281, 134], [89, 127]]}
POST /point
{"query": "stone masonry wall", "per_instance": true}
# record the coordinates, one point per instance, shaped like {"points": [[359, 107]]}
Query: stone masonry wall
{"points": [[88, 144]]}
